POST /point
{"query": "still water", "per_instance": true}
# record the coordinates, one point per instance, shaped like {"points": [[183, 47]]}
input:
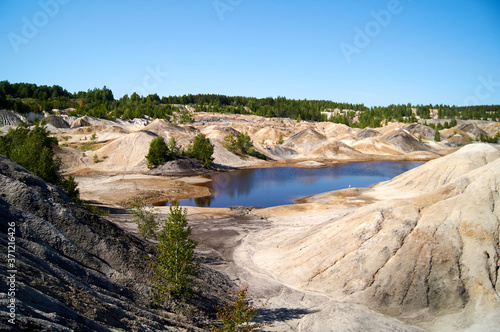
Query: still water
{"points": [[265, 187]]}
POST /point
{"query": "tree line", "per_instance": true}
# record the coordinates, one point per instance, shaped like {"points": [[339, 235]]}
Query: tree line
{"points": [[101, 103]]}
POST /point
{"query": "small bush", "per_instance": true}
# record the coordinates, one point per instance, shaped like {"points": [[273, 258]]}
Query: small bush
{"points": [[202, 150], [158, 153], [280, 140], [437, 136], [71, 187], [145, 217], [237, 317]]}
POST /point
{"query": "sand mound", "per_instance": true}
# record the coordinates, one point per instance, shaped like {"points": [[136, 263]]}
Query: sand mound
{"points": [[334, 149], [375, 147], [267, 135], [305, 141], [167, 129], [429, 256], [367, 133], [405, 142], [56, 121], [80, 122], [491, 128], [456, 141], [183, 166], [472, 130], [438, 172], [453, 131], [125, 154], [419, 130], [334, 129], [217, 132], [281, 152]]}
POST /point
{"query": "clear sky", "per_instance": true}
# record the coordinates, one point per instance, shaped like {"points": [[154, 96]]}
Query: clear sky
{"points": [[358, 51]]}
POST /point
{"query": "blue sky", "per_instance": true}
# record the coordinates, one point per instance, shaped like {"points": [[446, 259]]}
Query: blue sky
{"points": [[358, 51]]}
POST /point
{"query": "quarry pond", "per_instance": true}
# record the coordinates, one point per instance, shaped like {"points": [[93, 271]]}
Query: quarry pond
{"points": [[266, 187]]}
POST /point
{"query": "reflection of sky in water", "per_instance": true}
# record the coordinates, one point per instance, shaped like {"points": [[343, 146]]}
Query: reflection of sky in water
{"points": [[266, 187]]}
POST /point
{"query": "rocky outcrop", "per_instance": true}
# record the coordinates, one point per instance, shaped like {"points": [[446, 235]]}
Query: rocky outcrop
{"points": [[75, 270], [56, 121], [182, 166], [8, 118], [80, 122]]}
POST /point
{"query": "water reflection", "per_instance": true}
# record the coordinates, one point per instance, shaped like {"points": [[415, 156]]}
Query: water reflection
{"points": [[281, 185]]}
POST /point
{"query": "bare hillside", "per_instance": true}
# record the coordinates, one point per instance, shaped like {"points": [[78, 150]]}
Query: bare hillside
{"points": [[422, 247]]}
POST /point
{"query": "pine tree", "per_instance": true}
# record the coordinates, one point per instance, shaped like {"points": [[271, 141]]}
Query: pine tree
{"points": [[175, 264], [437, 136]]}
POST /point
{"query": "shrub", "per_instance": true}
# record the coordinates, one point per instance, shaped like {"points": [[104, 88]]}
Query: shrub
{"points": [[32, 149], [237, 317], [158, 153], [280, 140], [241, 145], [145, 217], [202, 150], [71, 187]]}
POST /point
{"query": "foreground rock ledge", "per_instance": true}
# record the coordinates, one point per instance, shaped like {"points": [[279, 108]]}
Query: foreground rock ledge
{"points": [[76, 270]]}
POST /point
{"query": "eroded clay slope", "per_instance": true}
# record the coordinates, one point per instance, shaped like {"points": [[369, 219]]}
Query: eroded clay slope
{"points": [[428, 253]]}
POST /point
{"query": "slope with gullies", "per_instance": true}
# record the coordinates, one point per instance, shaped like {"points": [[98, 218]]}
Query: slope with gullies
{"points": [[423, 247], [121, 145], [77, 271]]}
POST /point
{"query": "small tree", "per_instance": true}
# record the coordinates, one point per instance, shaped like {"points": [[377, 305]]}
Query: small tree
{"points": [[241, 144], [71, 187], [145, 217], [202, 150], [175, 263], [174, 150], [237, 317], [158, 152], [437, 136]]}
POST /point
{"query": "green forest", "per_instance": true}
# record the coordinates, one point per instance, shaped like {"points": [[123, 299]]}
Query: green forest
{"points": [[101, 103]]}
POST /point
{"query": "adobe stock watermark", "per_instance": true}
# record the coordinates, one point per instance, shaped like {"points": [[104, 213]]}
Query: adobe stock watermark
{"points": [[151, 81], [483, 91], [31, 27], [223, 6], [363, 37], [11, 304]]}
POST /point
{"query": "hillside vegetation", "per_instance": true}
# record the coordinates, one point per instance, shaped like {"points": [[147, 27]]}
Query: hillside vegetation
{"points": [[26, 97]]}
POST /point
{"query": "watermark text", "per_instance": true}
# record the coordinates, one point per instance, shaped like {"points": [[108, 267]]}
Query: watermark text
{"points": [[31, 27]]}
